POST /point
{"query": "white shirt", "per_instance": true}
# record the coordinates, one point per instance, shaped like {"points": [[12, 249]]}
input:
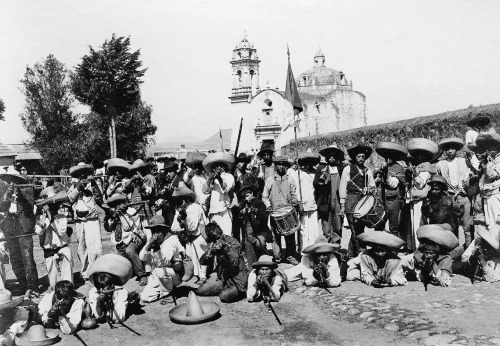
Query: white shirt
{"points": [[73, 317], [277, 286], [306, 188], [170, 250], [120, 303], [220, 200], [195, 220]]}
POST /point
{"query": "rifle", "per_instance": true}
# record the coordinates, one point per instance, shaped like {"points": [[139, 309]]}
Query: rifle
{"points": [[16, 237], [322, 283], [238, 140], [427, 272], [266, 300]]}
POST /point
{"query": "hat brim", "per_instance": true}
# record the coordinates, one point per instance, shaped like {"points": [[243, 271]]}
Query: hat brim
{"points": [[78, 171], [157, 226], [332, 151], [218, 158], [285, 163], [11, 178], [381, 238], [488, 237], [12, 304], [52, 338], [259, 264], [392, 150], [321, 248], [264, 151], [438, 235], [309, 161], [360, 149], [112, 264], [479, 121], [450, 142], [178, 313]]}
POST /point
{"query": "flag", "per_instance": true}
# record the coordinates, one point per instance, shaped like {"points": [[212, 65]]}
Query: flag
{"points": [[291, 92]]}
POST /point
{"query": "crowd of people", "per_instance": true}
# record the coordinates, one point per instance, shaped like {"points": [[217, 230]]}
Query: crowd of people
{"points": [[218, 221]]}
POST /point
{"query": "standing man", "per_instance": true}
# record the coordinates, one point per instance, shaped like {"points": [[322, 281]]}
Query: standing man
{"points": [[280, 191], [266, 168], [326, 184], [456, 172], [356, 182], [240, 175], [196, 178]]}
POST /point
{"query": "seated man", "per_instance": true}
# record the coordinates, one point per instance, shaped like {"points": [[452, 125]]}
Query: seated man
{"points": [[13, 318], [165, 252], [432, 262], [378, 266], [319, 265], [224, 259], [62, 308], [483, 254], [108, 299], [265, 282]]}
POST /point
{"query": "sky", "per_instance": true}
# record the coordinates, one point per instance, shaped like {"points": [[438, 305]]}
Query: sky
{"points": [[410, 58]]}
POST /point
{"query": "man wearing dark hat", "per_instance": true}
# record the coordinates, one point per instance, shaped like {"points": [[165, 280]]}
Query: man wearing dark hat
{"points": [[170, 181], [326, 184], [319, 265], [356, 182], [266, 168], [265, 281], [240, 176], [281, 191], [196, 178], [457, 174], [226, 264]]}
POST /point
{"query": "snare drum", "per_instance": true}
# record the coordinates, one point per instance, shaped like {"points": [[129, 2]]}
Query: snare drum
{"points": [[370, 210], [285, 220]]}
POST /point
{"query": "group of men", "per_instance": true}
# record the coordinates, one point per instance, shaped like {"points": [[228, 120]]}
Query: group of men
{"points": [[218, 220]]}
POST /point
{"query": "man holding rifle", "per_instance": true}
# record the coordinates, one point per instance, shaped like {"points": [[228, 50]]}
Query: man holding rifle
{"points": [[265, 282]]}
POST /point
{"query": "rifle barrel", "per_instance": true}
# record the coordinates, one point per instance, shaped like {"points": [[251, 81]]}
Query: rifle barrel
{"points": [[274, 312]]}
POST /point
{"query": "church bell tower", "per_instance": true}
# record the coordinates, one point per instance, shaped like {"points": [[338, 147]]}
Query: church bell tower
{"points": [[245, 65]]}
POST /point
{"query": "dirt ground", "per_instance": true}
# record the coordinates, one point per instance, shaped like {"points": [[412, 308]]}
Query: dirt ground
{"points": [[353, 314]]}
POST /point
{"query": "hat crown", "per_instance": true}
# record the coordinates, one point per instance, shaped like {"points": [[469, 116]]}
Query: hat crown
{"points": [[194, 307], [321, 239], [265, 258], [36, 333], [157, 220]]}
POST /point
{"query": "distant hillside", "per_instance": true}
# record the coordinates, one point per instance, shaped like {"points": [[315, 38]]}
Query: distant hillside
{"points": [[190, 142]]}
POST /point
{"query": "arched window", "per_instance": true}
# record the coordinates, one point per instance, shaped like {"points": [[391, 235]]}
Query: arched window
{"points": [[238, 73]]}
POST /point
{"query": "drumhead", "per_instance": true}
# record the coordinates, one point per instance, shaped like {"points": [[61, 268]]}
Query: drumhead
{"points": [[364, 206], [281, 211]]}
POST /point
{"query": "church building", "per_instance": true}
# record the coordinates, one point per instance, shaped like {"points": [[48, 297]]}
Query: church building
{"points": [[330, 104]]}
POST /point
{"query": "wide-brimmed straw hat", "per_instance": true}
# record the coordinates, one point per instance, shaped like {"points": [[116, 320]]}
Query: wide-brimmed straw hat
{"points": [[219, 157], [116, 199], [381, 238], [13, 176], [242, 157], [138, 164], [118, 164], [453, 142], [359, 149], [438, 234], [332, 150], [194, 158], [480, 120], [37, 335], [308, 159], [391, 150], [321, 245], [265, 261], [194, 311], [157, 222], [81, 169], [6, 301], [113, 264], [282, 160], [423, 148], [491, 235], [266, 147], [438, 179], [183, 191]]}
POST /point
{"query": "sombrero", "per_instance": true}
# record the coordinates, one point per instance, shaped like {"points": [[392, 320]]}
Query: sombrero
{"points": [[183, 191], [488, 141], [480, 120], [436, 178], [381, 238], [308, 159], [37, 335], [453, 142], [391, 150], [194, 311], [116, 199], [218, 157], [423, 149], [242, 157], [359, 149], [170, 166], [332, 150], [13, 176], [265, 261], [6, 301], [491, 235], [194, 158], [157, 221], [266, 147], [321, 245], [60, 197], [138, 164], [282, 159], [113, 264], [81, 169], [118, 164], [439, 235]]}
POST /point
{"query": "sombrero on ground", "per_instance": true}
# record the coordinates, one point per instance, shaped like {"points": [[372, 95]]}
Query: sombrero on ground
{"points": [[359, 149], [423, 149], [194, 311], [117, 265], [321, 245], [332, 150], [391, 150], [491, 235], [13, 176], [438, 234], [381, 238], [219, 157], [37, 335], [81, 169]]}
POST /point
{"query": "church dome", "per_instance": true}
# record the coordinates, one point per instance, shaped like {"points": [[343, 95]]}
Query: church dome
{"points": [[319, 53], [320, 75], [244, 43]]}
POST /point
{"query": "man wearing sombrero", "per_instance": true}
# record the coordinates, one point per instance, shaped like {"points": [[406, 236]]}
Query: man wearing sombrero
{"points": [[240, 176], [483, 254], [319, 265], [378, 266], [326, 184], [220, 187], [14, 319], [266, 168], [196, 177], [169, 182], [457, 174], [265, 281], [356, 181]]}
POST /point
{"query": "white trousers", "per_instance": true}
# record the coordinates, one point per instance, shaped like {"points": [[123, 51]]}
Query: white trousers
{"points": [[224, 220], [492, 209], [195, 250], [160, 283], [60, 266], [310, 230], [89, 243]]}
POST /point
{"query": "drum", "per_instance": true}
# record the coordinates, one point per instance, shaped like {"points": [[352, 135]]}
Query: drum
{"points": [[285, 220], [370, 210]]}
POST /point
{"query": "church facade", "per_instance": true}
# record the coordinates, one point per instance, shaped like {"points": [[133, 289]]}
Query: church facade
{"points": [[329, 102]]}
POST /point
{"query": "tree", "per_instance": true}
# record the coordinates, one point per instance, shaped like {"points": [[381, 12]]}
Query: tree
{"points": [[108, 80], [47, 114], [2, 109]]}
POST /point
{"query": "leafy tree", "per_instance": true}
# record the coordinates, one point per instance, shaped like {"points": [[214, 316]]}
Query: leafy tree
{"points": [[108, 80], [47, 114], [2, 109]]}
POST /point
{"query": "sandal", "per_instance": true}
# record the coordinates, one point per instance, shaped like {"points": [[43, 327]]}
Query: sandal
{"points": [[167, 300]]}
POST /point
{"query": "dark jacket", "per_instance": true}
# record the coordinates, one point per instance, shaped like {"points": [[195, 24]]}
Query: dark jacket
{"points": [[323, 190], [25, 214], [439, 211], [255, 222]]}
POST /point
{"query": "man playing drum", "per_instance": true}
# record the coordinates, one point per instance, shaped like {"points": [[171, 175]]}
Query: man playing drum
{"points": [[280, 191], [356, 181]]}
